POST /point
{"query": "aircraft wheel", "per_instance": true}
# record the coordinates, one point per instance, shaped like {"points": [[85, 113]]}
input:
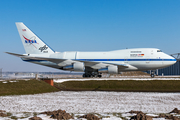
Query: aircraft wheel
{"points": [[88, 75], [99, 76], [84, 75], [92, 75], [152, 75]]}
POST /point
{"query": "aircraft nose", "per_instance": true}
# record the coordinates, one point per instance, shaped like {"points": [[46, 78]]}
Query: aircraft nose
{"points": [[173, 60]]}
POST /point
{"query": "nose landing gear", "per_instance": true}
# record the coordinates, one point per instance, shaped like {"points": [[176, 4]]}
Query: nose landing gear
{"points": [[152, 74]]}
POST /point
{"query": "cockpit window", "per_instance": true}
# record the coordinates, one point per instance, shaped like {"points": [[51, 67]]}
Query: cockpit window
{"points": [[159, 51]]}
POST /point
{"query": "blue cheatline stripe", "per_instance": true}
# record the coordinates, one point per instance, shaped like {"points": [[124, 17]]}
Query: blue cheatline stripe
{"points": [[31, 60], [127, 59]]}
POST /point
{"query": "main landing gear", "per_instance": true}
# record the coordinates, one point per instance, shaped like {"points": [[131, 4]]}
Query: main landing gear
{"points": [[86, 75], [152, 74]]}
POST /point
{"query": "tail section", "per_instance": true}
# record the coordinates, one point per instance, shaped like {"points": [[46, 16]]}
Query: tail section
{"points": [[32, 44]]}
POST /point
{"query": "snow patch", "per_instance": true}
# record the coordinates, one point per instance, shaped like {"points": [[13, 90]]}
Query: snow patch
{"points": [[92, 102], [129, 78]]}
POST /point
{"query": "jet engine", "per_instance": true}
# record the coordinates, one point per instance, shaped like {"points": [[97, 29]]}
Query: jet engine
{"points": [[110, 69], [77, 66]]}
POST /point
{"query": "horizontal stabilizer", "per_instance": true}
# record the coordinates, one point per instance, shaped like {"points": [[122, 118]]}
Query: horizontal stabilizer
{"points": [[17, 55]]}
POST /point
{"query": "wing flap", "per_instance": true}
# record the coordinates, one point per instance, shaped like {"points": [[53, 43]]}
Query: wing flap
{"points": [[98, 65]]}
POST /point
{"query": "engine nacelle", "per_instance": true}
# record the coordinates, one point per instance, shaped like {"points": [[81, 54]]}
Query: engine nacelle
{"points": [[77, 66], [110, 69]]}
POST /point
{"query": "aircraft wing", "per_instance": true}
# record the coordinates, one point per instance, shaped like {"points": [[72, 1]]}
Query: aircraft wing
{"points": [[62, 62], [97, 65], [17, 55], [55, 60]]}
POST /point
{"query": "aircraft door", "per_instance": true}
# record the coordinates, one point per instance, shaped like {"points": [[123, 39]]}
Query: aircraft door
{"points": [[162, 61], [147, 60], [126, 59]]}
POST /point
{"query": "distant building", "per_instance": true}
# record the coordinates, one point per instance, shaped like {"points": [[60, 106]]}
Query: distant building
{"points": [[173, 69]]}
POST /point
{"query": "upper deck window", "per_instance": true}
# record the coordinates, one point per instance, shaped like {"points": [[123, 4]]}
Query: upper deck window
{"points": [[159, 51]]}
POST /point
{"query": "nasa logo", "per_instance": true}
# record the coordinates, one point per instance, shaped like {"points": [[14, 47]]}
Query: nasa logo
{"points": [[43, 48], [30, 41]]}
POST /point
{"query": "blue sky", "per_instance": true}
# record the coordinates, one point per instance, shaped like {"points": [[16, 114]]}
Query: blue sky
{"points": [[88, 25]]}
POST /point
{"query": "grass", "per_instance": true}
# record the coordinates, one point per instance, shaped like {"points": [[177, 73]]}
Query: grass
{"points": [[123, 85], [22, 87]]}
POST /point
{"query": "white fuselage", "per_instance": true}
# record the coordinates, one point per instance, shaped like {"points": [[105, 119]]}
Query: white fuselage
{"points": [[137, 59]]}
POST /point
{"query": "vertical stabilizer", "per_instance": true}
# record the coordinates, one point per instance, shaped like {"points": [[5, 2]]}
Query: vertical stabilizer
{"points": [[32, 44]]}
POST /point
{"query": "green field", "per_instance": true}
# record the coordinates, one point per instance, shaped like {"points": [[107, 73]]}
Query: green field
{"points": [[22, 87], [123, 85]]}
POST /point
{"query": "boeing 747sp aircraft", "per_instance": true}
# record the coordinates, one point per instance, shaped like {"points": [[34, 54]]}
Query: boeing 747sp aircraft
{"points": [[91, 63]]}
